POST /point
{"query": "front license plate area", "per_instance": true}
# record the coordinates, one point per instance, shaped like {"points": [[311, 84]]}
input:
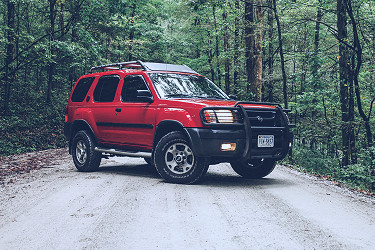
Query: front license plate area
{"points": [[266, 141]]}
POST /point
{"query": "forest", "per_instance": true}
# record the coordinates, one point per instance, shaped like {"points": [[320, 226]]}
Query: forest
{"points": [[316, 57]]}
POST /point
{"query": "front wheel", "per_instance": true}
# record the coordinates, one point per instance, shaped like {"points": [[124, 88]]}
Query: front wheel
{"points": [[253, 169], [85, 158], [176, 162]]}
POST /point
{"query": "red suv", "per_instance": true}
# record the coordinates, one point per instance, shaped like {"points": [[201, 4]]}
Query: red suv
{"points": [[177, 120]]}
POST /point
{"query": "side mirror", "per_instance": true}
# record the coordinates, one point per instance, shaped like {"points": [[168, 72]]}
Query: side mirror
{"points": [[145, 96]]}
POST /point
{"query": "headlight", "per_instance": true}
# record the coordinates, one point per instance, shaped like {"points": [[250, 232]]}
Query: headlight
{"points": [[219, 116]]}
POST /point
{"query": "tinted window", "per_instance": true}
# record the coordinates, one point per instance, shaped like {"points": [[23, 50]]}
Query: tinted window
{"points": [[131, 85], [81, 89], [106, 88]]}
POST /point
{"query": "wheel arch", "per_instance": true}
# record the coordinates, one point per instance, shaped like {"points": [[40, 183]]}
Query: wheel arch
{"points": [[167, 126], [77, 126]]}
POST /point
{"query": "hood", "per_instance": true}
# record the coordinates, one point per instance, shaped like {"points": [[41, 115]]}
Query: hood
{"points": [[202, 103]]}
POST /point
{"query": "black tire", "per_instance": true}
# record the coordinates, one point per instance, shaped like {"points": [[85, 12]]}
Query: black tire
{"points": [[85, 158], [254, 169], [176, 162]]}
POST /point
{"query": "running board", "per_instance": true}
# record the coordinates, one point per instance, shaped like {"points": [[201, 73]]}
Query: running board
{"points": [[122, 152]]}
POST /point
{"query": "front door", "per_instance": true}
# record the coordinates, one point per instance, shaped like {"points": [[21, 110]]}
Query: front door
{"points": [[135, 118]]}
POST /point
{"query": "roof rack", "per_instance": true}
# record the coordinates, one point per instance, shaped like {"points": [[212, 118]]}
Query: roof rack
{"points": [[147, 66], [119, 66]]}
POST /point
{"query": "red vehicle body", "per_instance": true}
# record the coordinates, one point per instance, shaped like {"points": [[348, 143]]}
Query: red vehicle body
{"points": [[180, 134]]}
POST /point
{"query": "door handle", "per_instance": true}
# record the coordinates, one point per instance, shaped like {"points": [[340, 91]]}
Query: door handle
{"points": [[118, 110]]}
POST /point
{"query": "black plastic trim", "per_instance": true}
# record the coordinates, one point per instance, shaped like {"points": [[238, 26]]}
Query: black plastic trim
{"points": [[124, 125], [68, 129]]}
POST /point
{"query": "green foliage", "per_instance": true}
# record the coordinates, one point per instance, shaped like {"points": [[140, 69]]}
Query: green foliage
{"points": [[95, 32]]}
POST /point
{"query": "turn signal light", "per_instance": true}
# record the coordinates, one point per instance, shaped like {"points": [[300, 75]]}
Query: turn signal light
{"points": [[228, 146]]}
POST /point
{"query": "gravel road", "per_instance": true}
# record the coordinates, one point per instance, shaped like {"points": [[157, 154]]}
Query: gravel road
{"points": [[126, 205]]}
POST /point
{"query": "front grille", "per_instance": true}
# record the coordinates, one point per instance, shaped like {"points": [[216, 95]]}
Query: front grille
{"points": [[266, 122], [264, 117]]}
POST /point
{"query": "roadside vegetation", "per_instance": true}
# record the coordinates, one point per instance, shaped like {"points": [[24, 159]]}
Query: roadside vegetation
{"points": [[315, 57]]}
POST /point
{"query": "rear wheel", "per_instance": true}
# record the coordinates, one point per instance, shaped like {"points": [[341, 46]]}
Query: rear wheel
{"points": [[176, 162], [253, 169], [85, 158]]}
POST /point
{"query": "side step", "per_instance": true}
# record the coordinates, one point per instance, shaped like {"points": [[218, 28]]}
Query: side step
{"points": [[122, 152]]}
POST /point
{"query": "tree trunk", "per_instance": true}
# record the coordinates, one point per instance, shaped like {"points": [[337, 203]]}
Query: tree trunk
{"points": [[217, 52], [356, 68], [345, 82], [10, 53], [226, 50], [259, 54], [285, 89], [131, 34], [269, 81], [76, 18], [61, 21], [51, 64], [210, 56], [236, 46], [250, 47]]}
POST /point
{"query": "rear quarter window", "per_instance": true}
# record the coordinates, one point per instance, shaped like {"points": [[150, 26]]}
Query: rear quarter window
{"points": [[81, 89]]}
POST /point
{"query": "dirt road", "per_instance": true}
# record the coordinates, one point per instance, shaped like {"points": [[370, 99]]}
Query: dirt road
{"points": [[127, 206]]}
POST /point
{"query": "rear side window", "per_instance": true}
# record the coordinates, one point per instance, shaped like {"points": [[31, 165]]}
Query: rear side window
{"points": [[105, 90], [81, 89]]}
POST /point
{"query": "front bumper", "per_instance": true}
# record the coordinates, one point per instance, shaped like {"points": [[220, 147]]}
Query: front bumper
{"points": [[206, 142]]}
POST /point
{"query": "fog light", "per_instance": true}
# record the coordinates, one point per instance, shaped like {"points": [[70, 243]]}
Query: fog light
{"points": [[228, 146]]}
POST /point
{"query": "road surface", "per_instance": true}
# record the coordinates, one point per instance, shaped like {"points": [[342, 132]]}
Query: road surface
{"points": [[126, 205]]}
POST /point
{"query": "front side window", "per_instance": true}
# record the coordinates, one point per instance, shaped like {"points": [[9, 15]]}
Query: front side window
{"points": [[105, 90], [185, 86], [81, 89], [131, 85]]}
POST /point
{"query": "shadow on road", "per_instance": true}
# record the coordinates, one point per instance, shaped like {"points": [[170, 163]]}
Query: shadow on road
{"points": [[142, 170], [211, 179]]}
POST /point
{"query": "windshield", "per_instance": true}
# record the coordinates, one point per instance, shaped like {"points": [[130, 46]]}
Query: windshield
{"points": [[185, 86]]}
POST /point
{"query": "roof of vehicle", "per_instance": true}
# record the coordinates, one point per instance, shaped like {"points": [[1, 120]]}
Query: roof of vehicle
{"points": [[146, 66]]}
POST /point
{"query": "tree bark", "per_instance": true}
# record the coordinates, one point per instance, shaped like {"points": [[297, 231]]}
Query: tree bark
{"points": [[210, 56], [346, 90], [356, 68], [10, 53], [51, 64], [285, 89], [270, 81], [259, 53], [76, 19], [226, 50], [217, 52], [250, 46], [236, 46], [131, 34]]}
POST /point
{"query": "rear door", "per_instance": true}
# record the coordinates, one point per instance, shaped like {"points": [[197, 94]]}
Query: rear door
{"points": [[105, 102]]}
